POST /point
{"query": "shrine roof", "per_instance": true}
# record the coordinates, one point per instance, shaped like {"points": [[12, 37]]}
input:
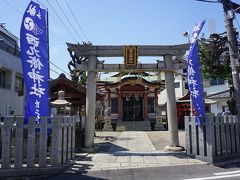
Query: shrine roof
{"points": [[63, 82], [220, 95], [186, 98], [120, 74], [74, 92], [110, 80], [207, 101], [159, 84]]}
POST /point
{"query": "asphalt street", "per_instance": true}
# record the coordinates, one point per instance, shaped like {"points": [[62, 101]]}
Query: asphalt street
{"points": [[193, 172], [140, 156]]}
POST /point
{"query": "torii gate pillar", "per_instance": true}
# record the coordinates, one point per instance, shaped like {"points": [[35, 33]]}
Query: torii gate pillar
{"points": [[171, 103], [92, 66], [90, 102]]}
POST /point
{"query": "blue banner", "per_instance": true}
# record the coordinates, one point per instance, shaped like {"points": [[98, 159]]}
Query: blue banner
{"points": [[34, 54], [194, 75]]}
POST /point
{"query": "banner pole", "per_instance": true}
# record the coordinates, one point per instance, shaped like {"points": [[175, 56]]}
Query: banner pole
{"points": [[49, 88], [191, 106], [194, 75], [35, 61]]}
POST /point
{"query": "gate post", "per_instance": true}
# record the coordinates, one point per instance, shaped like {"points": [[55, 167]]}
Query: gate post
{"points": [[90, 102], [171, 102]]}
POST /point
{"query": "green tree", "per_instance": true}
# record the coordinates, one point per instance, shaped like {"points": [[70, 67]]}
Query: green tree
{"points": [[214, 57], [83, 79], [215, 62]]}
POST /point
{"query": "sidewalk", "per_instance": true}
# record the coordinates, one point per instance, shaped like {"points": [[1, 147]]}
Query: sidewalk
{"points": [[132, 149]]}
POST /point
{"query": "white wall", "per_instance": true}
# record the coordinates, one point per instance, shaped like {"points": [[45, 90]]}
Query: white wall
{"points": [[8, 97], [162, 97], [10, 61], [217, 107]]}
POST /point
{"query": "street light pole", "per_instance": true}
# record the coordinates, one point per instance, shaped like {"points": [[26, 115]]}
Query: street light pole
{"points": [[233, 51]]}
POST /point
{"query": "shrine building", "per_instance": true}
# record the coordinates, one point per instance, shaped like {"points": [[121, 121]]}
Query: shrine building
{"points": [[132, 96]]}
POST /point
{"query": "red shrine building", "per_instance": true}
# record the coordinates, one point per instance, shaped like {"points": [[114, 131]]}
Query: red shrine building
{"points": [[141, 98], [132, 97]]}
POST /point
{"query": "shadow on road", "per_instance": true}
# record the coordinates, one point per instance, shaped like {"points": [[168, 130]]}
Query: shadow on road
{"points": [[75, 176]]}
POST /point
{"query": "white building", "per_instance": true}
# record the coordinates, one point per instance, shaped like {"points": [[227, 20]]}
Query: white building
{"points": [[217, 90], [11, 78], [216, 93], [179, 83]]}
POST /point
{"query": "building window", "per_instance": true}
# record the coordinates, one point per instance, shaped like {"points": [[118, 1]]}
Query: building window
{"points": [[207, 108], [151, 105], [18, 83], [177, 84], [216, 81], [9, 44], [114, 106], [2, 79]]}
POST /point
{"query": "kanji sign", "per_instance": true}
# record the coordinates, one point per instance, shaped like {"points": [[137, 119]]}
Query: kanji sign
{"points": [[130, 56], [34, 54], [194, 75]]}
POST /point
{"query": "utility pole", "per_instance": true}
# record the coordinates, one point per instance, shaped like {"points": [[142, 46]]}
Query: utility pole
{"points": [[233, 50]]}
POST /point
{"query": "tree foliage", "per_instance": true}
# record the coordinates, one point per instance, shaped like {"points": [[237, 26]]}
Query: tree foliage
{"points": [[214, 58], [83, 79], [215, 62]]}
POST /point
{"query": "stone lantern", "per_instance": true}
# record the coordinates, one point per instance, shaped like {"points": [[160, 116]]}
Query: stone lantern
{"points": [[61, 104]]}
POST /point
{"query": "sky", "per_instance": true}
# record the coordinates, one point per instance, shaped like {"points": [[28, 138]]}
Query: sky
{"points": [[112, 22]]}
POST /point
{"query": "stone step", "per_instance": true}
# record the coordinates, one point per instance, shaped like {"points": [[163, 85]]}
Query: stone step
{"points": [[132, 126]]}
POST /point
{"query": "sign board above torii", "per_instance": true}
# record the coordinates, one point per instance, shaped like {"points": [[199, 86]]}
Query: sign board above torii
{"points": [[130, 56]]}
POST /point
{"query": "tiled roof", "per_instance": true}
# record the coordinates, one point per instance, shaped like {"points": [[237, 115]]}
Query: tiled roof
{"points": [[116, 79], [220, 95]]}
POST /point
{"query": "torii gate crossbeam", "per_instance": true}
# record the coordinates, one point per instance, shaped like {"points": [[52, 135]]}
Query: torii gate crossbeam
{"points": [[92, 66], [118, 51]]}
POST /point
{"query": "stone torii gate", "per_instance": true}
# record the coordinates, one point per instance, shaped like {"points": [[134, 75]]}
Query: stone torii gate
{"points": [[85, 59]]}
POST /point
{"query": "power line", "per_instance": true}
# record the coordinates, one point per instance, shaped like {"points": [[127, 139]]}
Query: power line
{"points": [[54, 19], [61, 21], [19, 12], [54, 71], [80, 27], [12, 6], [51, 34], [56, 37], [63, 24], [60, 24], [51, 14], [68, 20], [41, 4], [59, 68]]}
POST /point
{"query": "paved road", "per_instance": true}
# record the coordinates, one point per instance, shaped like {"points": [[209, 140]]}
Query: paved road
{"points": [[132, 152], [160, 139], [133, 156], [185, 172]]}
